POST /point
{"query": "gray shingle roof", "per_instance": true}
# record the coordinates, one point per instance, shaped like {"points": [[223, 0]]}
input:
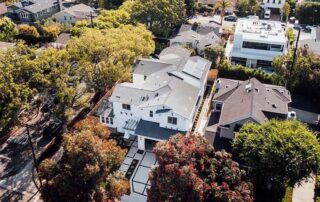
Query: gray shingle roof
{"points": [[79, 11], [37, 5], [166, 84], [251, 99], [153, 130]]}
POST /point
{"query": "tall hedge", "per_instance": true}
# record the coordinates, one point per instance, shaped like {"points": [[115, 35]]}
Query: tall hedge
{"points": [[226, 70]]}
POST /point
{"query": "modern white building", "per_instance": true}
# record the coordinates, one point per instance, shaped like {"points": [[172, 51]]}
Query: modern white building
{"points": [[256, 42], [162, 99], [273, 4]]}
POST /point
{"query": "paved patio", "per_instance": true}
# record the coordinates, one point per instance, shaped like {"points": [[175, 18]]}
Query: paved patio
{"points": [[139, 182]]}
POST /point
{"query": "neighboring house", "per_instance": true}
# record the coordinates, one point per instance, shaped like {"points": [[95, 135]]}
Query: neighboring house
{"points": [[206, 2], [61, 41], [5, 45], [74, 13], [313, 43], [196, 36], [29, 11], [273, 5], [163, 98], [3, 10], [256, 42], [237, 102]]}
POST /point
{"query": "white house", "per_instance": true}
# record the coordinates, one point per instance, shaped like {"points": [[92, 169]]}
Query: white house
{"points": [[256, 43], [162, 99], [196, 36], [74, 13], [273, 4]]}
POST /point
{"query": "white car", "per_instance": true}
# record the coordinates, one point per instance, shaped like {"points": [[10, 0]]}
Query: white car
{"points": [[267, 14]]}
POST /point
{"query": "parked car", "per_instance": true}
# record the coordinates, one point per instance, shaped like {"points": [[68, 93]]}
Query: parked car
{"points": [[53, 129], [267, 14], [231, 18]]}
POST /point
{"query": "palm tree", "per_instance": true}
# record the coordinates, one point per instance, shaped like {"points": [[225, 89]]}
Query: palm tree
{"points": [[223, 5]]}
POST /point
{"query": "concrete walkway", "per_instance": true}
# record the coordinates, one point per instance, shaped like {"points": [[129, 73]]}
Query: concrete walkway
{"points": [[304, 192]]}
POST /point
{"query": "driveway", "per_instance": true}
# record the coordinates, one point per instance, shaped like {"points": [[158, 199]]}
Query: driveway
{"points": [[137, 165], [304, 192]]}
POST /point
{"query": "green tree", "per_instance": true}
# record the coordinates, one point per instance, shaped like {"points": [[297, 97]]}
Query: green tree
{"points": [[290, 35], [307, 13], [108, 18], [51, 31], [285, 10], [28, 33], [213, 53], [110, 4], [87, 169], [8, 29], [190, 7], [280, 153], [160, 16], [222, 5], [107, 55], [15, 92], [189, 169], [247, 7]]}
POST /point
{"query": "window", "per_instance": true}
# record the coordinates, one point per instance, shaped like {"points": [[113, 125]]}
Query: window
{"points": [[237, 60], [111, 121], [103, 120], [254, 45], [126, 107], [24, 15], [172, 120], [274, 1], [107, 120], [151, 113], [262, 46], [279, 1], [268, 1], [218, 106], [70, 18], [65, 18]]}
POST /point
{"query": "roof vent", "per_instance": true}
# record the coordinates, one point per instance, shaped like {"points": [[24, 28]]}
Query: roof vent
{"points": [[274, 105], [156, 95], [248, 88], [257, 90], [118, 96]]}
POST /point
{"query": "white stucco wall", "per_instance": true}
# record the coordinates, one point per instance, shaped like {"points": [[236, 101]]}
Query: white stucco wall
{"points": [[273, 3]]}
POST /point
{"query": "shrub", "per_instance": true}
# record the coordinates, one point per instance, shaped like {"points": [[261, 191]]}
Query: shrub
{"points": [[226, 70], [288, 195]]}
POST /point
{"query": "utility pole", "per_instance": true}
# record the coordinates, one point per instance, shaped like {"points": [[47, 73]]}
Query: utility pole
{"points": [[91, 19], [294, 57], [34, 155]]}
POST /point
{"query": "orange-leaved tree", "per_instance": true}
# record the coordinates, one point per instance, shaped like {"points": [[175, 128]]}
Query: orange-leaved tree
{"points": [[88, 168]]}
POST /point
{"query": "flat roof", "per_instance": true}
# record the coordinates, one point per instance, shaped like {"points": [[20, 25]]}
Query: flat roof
{"points": [[261, 30]]}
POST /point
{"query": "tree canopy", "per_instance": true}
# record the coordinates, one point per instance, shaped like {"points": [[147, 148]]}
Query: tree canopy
{"points": [[8, 29], [304, 78], [190, 170], [160, 16], [87, 169], [280, 153], [107, 55]]}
